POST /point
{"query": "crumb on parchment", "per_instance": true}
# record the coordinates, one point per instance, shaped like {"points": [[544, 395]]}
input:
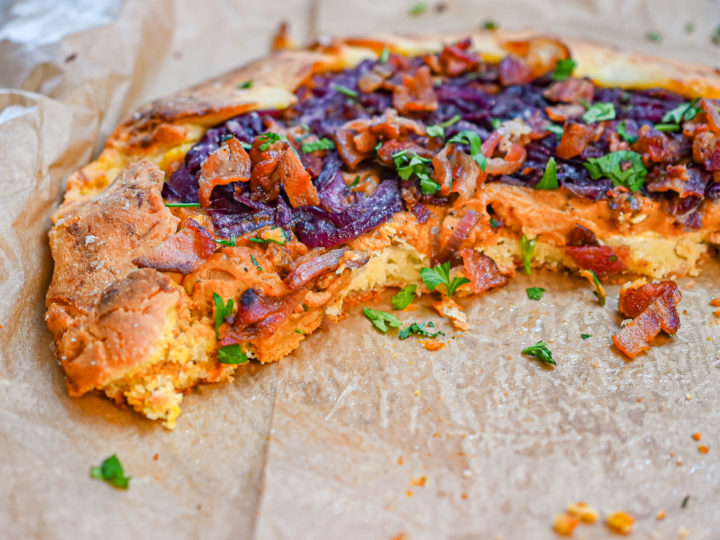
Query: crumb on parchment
{"points": [[564, 524], [620, 522]]}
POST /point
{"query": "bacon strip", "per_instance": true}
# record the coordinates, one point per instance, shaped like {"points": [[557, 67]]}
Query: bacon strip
{"points": [[576, 137], [481, 270], [600, 259], [416, 93], [655, 146], [571, 90], [229, 163], [462, 231], [713, 115], [582, 236], [259, 316], [311, 265], [658, 303], [296, 180], [349, 153], [182, 252], [456, 60]]}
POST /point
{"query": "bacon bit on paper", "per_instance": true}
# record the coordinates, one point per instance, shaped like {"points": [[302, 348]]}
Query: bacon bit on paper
{"points": [[564, 524], [418, 481], [620, 522], [660, 515], [715, 302], [696, 436], [156, 457], [400, 460], [703, 449], [449, 308], [433, 345], [586, 513], [408, 493]]}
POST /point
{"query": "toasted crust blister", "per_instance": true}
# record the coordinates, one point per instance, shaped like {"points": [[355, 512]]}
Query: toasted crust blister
{"points": [[142, 338]]}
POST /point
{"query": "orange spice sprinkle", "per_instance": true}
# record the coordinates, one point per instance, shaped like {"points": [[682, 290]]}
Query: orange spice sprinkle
{"points": [[586, 513], [716, 312], [418, 481], [156, 457], [464, 496], [564, 524], [400, 460], [715, 302], [660, 515], [433, 345], [703, 449], [639, 400], [408, 493], [696, 436], [411, 307], [620, 522]]}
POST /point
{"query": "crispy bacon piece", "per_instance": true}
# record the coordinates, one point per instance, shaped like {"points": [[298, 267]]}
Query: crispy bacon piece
{"points": [[443, 169], [182, 252], [513, 160], [481, 270], [375, 78], [571, 90], [582, 236], [263, 183], [710, 106], [296, 180], [514, 70], [576, 137], [655, 146], [349, 153], [229, 163], [416, 93], [462, 231], [600, 259], [653, 308], [390, 148], [562, 113], [259, 316], [678, 178], [705, 147], [456, 59], [311, 265]]}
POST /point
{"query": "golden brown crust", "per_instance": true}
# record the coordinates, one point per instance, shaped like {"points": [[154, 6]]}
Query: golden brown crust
{"points": [[110, 319]]}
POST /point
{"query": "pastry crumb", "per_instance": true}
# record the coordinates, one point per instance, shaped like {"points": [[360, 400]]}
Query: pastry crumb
{"points": [[620, 522], [564, 524]]}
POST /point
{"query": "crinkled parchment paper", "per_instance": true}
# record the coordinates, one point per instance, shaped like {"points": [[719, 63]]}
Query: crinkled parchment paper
{"points": [[357, 434]]}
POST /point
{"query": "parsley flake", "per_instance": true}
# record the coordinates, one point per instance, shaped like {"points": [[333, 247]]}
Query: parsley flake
{"points": [[495, 123], [555, 129], [409, 164], [381, 319], [599, 291], [384, 56], [300, 331], [246, 84], [322, 144], [257, 265], [599, 111], [182, 204], [349, 92], [420, 330], [494, 223], [418, 9], [438, 130], [266, 241], [355, 182], [549, 178], [473, 139], [654, 36], [563, 69], [232, 354], [585, 336], [527, 247], [111, 471], [404, 297], [623, 132], [224, 242], [673, 119], [541, 352], [535, 293], [440, 275], [269, 138], [489, 25], [624, 168], [222, 311]]}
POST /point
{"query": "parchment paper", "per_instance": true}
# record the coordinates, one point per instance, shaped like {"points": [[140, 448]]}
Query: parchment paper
{"points": [[357, 434]]}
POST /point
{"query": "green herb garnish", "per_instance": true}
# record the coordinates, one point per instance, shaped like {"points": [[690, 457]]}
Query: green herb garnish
{"points": [[563, 69], [410, 163], [254, 261], [269, 138], [299, 331], [527, 248], [349, 92], [111, 471], [246, 84], [549, 178], [598, 112], [440, 275], [322, 144], [232, 354], [585, 336], [182, 204], [654, 36], [222, 311], [473, 139], [420, 330], [624, 168], [689, 27], [404, 297], [489, 25], [673, 119], [381, 319], [555, 129], [622, 131], [715, 39], [223, 242], [266, 241], [384, 56], [494, 223], [541, 352], [355, 182], [438, 130], [598, 291], [418, 9], [535, 293], [495, 123]]}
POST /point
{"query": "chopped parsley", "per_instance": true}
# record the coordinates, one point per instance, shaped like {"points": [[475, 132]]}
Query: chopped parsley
{"points": [[495, 123], [222, 311], [563, 69], [404, 297], [322, 144], [685, 501], [541, 352], [254, 261], [549, 178], [232, 354], [438, 130], [473, 139], [111, 471], [599, 111], [246, 145], [300, 331], [182, 204], [555, 129], [715, 39], [266, 241], [690, 27], [440, 275], [489, 25], [305, 307], [381, 319], [599, 291], [624, 168], [409, 163], [622, 131], [354, 182], [246, 84], [527, 247], [420, 330], [672, 120], [654, 36], [223, 242], [494, 223], [418, 9], [535, 293], [585, 336], [269, 138], [349, 92], [384, 56]]}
